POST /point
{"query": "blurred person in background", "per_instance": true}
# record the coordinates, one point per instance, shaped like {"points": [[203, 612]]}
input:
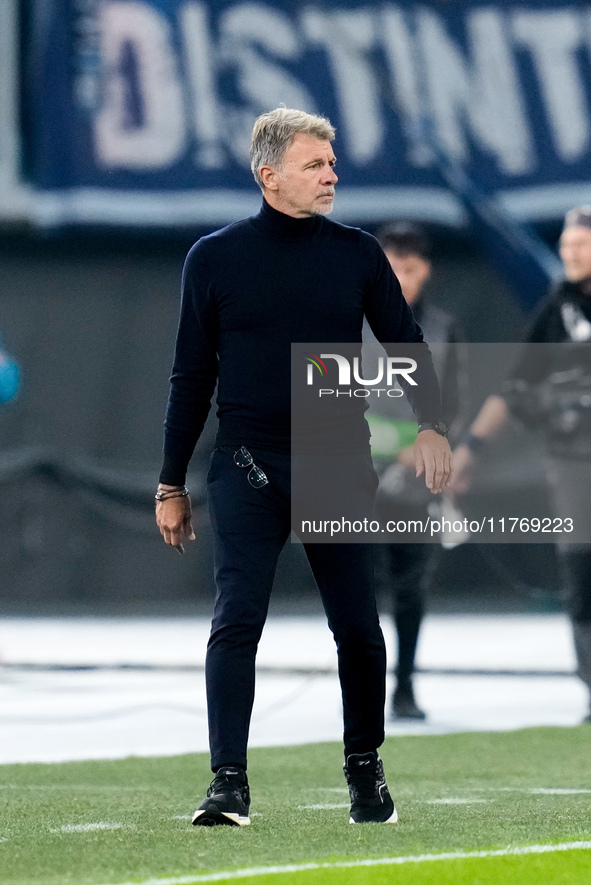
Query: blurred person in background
{"points": [[550, 388], [9, 376], [287, 274], [410, 566]]}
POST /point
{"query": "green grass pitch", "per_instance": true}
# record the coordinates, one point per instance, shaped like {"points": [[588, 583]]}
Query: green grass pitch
{"points": [[124, 821]]}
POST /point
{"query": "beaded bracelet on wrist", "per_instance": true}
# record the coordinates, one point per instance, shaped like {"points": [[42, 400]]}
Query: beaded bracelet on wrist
{"points": [[166, 494]]}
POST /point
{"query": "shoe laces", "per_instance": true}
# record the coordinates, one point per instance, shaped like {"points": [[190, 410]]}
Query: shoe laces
{"points": [[364, 779], [228, 780]]}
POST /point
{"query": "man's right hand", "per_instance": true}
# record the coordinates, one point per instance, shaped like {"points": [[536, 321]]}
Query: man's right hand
{"points": [[173, 518]]}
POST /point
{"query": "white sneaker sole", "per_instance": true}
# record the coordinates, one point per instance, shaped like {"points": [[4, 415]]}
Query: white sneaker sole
{"points": [[393, 819], [232, 818]]}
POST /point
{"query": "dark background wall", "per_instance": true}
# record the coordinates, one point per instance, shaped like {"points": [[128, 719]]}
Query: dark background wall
{"points": [[91, 320]]}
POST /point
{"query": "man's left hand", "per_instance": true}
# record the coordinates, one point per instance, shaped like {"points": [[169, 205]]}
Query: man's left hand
{"points": [[433, 460]]}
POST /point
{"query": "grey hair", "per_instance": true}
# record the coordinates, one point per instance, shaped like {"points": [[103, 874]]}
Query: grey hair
{"points": [[273, 133]]}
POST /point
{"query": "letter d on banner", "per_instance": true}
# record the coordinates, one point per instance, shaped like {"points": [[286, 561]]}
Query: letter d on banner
{"points": [[142, 82]]}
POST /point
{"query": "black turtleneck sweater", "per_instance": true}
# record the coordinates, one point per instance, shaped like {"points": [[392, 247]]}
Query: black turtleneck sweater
{"points": [[249, 291]]}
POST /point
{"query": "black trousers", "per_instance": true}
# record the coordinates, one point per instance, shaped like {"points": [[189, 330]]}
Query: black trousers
{"points": [[250, 527], [407, 569], [576, 565], [408, 565]]}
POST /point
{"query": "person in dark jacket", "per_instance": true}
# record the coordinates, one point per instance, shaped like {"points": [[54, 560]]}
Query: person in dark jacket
{"points": [[550, 387], [409, 566], [286, 275]]}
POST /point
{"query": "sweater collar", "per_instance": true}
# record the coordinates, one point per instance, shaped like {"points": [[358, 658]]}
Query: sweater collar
{"points": [[271, 221]]}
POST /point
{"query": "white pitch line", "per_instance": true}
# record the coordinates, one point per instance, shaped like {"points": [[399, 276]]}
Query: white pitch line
{"points": [[455, 800], [558, 791], [369, 862], [87, 828]]}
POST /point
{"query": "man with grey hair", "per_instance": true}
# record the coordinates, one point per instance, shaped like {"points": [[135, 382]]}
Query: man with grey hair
{"points": [[273, 133], [285, 275]]}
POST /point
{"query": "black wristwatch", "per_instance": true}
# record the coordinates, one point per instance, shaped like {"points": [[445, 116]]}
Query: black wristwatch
{"points": [[439, 427]]}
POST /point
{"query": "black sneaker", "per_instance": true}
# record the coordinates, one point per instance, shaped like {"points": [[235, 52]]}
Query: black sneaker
{"points": [[404, 705], [227, 802], [370, 800]]}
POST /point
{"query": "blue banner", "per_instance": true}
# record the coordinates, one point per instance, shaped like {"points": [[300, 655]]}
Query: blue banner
{"points": [[146, 106]]}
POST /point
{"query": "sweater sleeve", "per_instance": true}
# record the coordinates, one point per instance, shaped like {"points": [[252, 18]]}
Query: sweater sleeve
{"points": [[194, 371], [392, 322]]}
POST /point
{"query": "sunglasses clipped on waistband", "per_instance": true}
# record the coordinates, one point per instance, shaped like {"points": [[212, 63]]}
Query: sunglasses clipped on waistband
{"points": [[256, 477]]}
